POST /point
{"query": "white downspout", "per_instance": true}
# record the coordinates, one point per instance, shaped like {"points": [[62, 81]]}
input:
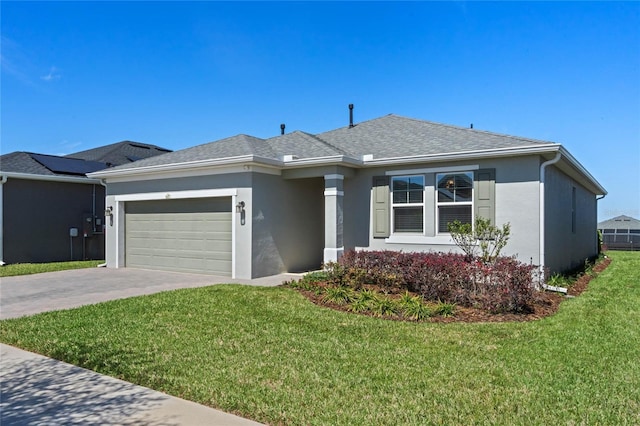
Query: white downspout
{"points": [[104, 225], [3, 180], [543, 166]]}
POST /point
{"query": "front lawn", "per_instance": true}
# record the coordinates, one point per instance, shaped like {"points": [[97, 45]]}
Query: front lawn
{"points": [[271, 355], [37, 268]]}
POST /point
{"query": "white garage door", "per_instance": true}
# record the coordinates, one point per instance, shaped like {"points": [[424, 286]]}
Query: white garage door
{"points": [[187, 235]]}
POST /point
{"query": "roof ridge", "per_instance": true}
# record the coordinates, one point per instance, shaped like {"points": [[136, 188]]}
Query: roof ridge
{"points": [[113, 145]]}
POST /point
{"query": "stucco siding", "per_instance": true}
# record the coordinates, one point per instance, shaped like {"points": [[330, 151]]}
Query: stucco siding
{"points": [[516, 202], [281, 229], [37, 217], [570, 226], [288, 224], [231, 180]]}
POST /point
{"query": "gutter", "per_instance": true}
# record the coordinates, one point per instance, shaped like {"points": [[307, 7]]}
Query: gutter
{"points": [[103, 265], [464, 155], [50, 178], [541, 240], [198, 164]]}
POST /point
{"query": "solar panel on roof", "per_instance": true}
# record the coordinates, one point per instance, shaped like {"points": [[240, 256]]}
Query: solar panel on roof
{"points": [[69, 166]]}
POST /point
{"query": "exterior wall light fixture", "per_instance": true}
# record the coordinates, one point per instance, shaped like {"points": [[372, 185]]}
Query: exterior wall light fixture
{"points": [[240, 209], [109, 213]]}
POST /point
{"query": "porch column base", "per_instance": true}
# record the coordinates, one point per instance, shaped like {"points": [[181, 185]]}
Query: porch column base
{"points": [[332, 254]]}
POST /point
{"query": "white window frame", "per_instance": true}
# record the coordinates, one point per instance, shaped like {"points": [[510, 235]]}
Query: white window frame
{"points": [[438, 203], [401, 205]]}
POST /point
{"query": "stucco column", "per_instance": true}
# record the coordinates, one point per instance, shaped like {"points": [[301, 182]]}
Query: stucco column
{"points": [[333, 196]]}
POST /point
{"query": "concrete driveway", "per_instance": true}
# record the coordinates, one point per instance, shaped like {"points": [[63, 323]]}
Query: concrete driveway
{"points": [[50, 291]]}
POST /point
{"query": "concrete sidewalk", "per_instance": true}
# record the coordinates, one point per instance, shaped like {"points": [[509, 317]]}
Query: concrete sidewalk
{"points": [[36, 390]]}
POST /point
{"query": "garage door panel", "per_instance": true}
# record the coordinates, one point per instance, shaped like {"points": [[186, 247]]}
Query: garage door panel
{"points": [[182, 245], [185, 235], [200, 255], [180, 235]]}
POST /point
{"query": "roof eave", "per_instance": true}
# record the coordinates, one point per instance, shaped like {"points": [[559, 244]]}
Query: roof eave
{"points": [[465, 155], [324, 161], [49, 178], [188, 165]]}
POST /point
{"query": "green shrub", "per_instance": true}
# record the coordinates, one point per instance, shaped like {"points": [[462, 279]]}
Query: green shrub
{"points": [[488, 238]]}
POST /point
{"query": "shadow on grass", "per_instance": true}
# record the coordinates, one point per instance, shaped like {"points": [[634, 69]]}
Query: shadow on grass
{"points": [[38, 390]]}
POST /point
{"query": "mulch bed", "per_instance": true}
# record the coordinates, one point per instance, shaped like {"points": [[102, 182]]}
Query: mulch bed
{"points": [[546, 304]]}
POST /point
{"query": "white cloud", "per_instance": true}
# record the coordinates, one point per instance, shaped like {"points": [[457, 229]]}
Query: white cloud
{"points": [[65, 147], [53, 75]]}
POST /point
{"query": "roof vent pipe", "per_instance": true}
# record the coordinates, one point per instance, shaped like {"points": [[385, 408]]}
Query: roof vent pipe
{"points": [[282, 129], [350, 115]]}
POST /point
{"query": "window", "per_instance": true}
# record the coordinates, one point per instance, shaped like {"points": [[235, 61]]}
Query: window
{"points": [[414, 207], [454, 198], [407, 195]]}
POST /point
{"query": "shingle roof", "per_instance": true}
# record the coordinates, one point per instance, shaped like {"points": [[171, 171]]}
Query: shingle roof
{"points": [[395, 136], [385, 137], [620, 222], [303, 145], [120, 153], [48, 165], [89, 160], [22, 162], [234, 146]]}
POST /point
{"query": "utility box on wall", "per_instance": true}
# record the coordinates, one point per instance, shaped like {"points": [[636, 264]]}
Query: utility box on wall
{"points": [[87, 225]]}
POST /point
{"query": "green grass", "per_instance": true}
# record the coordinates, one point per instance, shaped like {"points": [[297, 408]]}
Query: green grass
{"points": [[37, 268], [271, 355]]}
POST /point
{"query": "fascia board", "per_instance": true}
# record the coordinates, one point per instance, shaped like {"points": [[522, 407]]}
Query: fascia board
{"points": [[323, 161], [50, 178], [465, 155], [189, 165]]}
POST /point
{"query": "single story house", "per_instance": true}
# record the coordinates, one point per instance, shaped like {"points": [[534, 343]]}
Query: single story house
{"points": [[247, 207], [49, 210], [620, 233]]}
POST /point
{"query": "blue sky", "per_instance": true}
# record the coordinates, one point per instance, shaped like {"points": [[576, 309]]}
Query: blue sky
{"points": [[78, 75]]}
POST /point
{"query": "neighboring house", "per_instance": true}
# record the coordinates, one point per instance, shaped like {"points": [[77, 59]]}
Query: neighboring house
{"points": [[49, 210], [620, 233], [119, 153], [248, 207]]}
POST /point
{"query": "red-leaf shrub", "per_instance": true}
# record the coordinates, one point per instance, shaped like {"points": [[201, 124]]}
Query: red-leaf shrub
{"points": [[503, 286]]}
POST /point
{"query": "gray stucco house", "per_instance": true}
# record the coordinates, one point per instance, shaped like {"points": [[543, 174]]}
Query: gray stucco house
{"points": [[247, 207], [49, 210]]}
